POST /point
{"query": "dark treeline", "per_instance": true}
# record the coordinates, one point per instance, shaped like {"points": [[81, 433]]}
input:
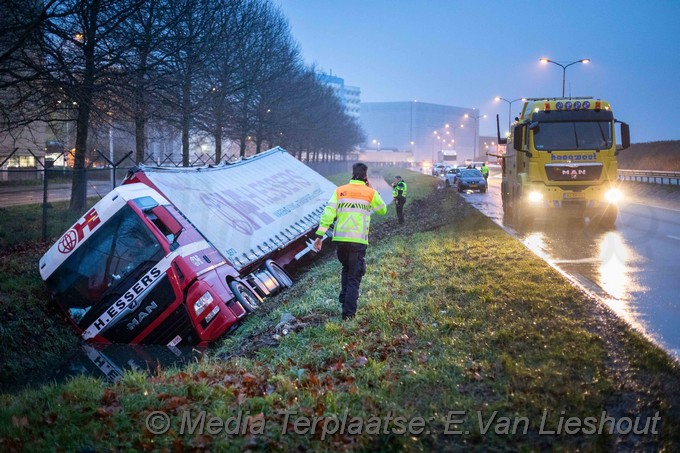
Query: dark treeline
{"points": [[226, 70]]}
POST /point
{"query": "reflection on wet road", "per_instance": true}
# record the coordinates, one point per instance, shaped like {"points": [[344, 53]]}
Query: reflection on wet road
{"points": [[634, 268]]}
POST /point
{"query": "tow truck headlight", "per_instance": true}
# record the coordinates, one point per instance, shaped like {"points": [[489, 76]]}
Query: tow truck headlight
{"points": [[202, 303], [535, 197], [613, 196]]}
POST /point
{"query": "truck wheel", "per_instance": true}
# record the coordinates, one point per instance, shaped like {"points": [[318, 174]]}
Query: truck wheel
{"points": [[608, 218], [507, 211], [522, 218], [281, 276], [244, 295]]}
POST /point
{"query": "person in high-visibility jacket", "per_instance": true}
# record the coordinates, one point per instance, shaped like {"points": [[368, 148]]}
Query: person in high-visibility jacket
{"points": [[485, 171], [399, 194], [352, 206]]}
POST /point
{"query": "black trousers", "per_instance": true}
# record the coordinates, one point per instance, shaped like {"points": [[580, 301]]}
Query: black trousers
{"points": [[351, 256], [399, 204]]}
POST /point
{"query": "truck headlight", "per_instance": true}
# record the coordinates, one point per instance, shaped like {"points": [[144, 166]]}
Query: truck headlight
{"points": [[535, 197], [203, 302], [613, 196]]}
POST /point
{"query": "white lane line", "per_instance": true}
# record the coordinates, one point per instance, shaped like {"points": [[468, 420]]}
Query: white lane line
{"points": [[673, 237], [654, 206]]}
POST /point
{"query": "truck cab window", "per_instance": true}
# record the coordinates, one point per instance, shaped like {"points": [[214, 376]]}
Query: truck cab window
{"points": [[578, 135], [123, 248]]}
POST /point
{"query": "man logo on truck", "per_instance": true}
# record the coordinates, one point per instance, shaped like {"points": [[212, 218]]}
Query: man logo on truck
{"points": [[143, 314]]}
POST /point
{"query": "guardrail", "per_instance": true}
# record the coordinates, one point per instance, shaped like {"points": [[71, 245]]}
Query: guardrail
{"points": [[649, 176]]}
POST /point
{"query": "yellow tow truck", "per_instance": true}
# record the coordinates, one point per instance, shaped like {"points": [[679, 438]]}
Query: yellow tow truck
{"points": [[561, 159]]}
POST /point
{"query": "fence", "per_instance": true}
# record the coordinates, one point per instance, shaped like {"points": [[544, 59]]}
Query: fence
{"points": [[42, 186], [648, 176]]}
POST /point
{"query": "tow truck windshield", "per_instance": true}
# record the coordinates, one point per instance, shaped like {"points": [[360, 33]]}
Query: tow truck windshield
{"points": [[573, 135], [121, 249]]}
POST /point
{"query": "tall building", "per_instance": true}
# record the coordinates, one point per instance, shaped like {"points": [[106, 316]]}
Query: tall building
{"points": [[349, 96], [423, 129]]}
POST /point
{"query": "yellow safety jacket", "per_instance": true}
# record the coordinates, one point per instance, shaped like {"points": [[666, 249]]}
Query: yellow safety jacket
{"points": [[401, 185], [353, 205]]}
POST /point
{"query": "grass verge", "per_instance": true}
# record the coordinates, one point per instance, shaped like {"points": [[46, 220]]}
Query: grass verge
{"points": [[33, 333], [454, 315]]}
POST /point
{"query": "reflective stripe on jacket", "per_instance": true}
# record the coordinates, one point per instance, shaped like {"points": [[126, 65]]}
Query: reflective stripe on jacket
{"points": [[353, 205]]}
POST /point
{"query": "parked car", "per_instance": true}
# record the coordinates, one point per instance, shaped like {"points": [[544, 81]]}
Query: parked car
{"points": [[452, 176], [471, 179], [437, 169]]}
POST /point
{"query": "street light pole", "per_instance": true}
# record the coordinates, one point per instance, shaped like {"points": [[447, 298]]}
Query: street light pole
{"points": [[498, 98], [564, 67], [476, 132]]}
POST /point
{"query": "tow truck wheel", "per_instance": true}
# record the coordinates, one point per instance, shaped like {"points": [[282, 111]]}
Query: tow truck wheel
{"points": [[244, 295], [608, 218], [522, 218], [281, 276]]}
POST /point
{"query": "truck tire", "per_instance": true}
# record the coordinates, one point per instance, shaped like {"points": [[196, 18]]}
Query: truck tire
{"points": [[281, 276], [507, 211], [245, 296], [608, 218], [522, 218]]}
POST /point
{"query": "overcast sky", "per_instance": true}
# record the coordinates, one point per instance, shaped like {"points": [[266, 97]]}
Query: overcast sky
{"points": [[466, 52]]}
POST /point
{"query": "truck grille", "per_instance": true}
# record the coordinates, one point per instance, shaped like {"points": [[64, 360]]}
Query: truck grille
{"points": [[178, 323], [573, 172]]}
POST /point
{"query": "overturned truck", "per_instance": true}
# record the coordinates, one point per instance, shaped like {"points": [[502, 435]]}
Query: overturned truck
{"points": [[177, 256]]}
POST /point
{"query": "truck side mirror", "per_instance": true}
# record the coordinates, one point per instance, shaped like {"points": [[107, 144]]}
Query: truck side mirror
{"points": [[517, 135], [170, 225], [501, 140], [625, 136]]}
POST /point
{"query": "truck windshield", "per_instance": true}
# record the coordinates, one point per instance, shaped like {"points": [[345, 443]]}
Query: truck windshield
{"points": [[572, 135], [104, 266]]}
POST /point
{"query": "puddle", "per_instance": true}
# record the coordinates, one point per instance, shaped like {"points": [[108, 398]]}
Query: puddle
{"points": [[110, 362]]}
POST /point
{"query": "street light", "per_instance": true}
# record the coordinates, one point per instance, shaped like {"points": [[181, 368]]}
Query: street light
{"points": [[476, 132], [564, 67], [498, 98]]}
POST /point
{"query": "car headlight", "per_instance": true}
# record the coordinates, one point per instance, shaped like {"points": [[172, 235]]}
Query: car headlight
{"points": [[613, 196], [535, 197], [202, 303]]}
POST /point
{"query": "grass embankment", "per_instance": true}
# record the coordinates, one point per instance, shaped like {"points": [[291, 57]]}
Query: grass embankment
{"points": [[660, 155], [454, 315], [34, 335]]}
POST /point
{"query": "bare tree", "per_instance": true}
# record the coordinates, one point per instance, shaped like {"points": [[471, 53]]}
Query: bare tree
{"points": [[146, 35], [191, 42]]}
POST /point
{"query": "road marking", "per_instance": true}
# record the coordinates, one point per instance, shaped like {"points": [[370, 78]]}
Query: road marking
{"points": [[674, 237], [654, 206]]}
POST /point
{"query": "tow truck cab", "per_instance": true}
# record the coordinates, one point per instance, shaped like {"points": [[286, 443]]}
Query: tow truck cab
{"points": [[561, 159]]}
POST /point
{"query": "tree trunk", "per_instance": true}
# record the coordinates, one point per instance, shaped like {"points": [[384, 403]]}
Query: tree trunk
{"points": [[218, 144], [186, 120], [79, 182]]}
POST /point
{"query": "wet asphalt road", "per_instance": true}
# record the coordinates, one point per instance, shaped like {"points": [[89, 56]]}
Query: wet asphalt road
{"points": [[21, 195], [634, 268]]}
